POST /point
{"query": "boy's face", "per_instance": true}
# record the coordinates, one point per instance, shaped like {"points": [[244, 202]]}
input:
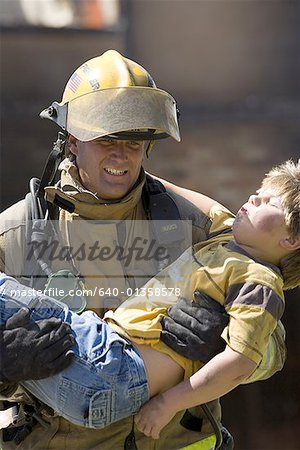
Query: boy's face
{"points": [[260, 223]]}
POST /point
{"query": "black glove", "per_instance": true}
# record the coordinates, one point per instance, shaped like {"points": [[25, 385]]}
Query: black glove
{"points": [[194, 329], [33, 350]]}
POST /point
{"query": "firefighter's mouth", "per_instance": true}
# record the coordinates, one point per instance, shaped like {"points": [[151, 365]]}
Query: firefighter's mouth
{"points": [[115, 172]]}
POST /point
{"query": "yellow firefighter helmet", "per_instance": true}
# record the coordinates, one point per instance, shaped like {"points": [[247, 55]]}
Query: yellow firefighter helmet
{"points": [[113, 96]]}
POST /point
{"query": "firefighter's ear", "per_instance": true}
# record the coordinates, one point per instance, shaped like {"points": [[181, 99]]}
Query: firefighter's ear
{"points": [[72, 144]]}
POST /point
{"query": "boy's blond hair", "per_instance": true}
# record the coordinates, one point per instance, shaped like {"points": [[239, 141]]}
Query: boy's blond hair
{"points": [[284, 181]]}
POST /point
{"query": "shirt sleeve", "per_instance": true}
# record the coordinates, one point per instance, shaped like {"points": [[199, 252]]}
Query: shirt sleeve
{"points": [[254, 312]]}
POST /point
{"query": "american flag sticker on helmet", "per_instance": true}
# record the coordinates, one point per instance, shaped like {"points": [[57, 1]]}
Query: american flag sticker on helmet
{"points": [[74, 82]]}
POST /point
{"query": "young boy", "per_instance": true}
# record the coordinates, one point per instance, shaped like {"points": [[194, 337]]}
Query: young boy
{"points": [[245, 265]]}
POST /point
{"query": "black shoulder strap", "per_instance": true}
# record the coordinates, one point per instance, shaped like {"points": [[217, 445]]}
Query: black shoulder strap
{"points": [[163, 211]]}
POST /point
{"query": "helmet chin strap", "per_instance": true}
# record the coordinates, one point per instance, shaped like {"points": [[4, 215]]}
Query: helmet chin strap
{"points": [[149, 148]]}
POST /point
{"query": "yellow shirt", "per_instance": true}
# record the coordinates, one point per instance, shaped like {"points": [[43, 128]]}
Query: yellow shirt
{"points": [[250, 291]]}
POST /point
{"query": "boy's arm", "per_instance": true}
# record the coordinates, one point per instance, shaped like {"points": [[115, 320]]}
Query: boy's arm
{"points": [[219, 376]]}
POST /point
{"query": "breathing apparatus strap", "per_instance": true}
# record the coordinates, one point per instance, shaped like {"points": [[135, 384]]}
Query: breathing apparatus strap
{"points": [[38, 210]]}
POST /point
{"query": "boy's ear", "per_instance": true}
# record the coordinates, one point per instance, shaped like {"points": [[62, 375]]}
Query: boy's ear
{"points": [[72, 143], [291, 243]]}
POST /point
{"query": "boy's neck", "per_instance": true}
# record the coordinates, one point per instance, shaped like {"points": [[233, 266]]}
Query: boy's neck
{"points": [[260, 255]]}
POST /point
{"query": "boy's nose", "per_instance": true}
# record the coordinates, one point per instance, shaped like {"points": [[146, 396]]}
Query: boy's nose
{"points": [[255, 200]]}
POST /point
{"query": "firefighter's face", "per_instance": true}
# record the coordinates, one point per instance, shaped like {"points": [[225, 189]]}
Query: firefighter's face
{"points": [[107, 167]]}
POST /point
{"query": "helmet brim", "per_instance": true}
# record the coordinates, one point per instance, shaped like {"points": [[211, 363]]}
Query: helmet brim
{"points": [[135, 109]]}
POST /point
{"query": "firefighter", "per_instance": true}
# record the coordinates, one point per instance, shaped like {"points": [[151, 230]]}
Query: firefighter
{"points": [[111, 114]]}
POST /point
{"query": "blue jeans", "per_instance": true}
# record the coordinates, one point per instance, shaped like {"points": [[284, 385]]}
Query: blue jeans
{"points": [[107, 380]]}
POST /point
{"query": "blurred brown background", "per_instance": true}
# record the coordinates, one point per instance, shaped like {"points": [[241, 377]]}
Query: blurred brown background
{"points": [[234, 68]]}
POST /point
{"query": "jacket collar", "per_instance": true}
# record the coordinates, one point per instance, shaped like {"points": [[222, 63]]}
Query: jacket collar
{"points": [[86, 204], [232, 245]]}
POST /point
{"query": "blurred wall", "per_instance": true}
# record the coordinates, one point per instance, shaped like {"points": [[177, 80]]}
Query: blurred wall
{"points": [[234, 67], [219, 51]]}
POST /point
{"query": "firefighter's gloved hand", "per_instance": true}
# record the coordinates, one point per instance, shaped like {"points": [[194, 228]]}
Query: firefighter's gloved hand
{"points": [[33, 350], [194, 329]]}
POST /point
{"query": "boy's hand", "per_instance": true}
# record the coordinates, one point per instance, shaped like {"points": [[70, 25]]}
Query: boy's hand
{"points": [[153, 417]]}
